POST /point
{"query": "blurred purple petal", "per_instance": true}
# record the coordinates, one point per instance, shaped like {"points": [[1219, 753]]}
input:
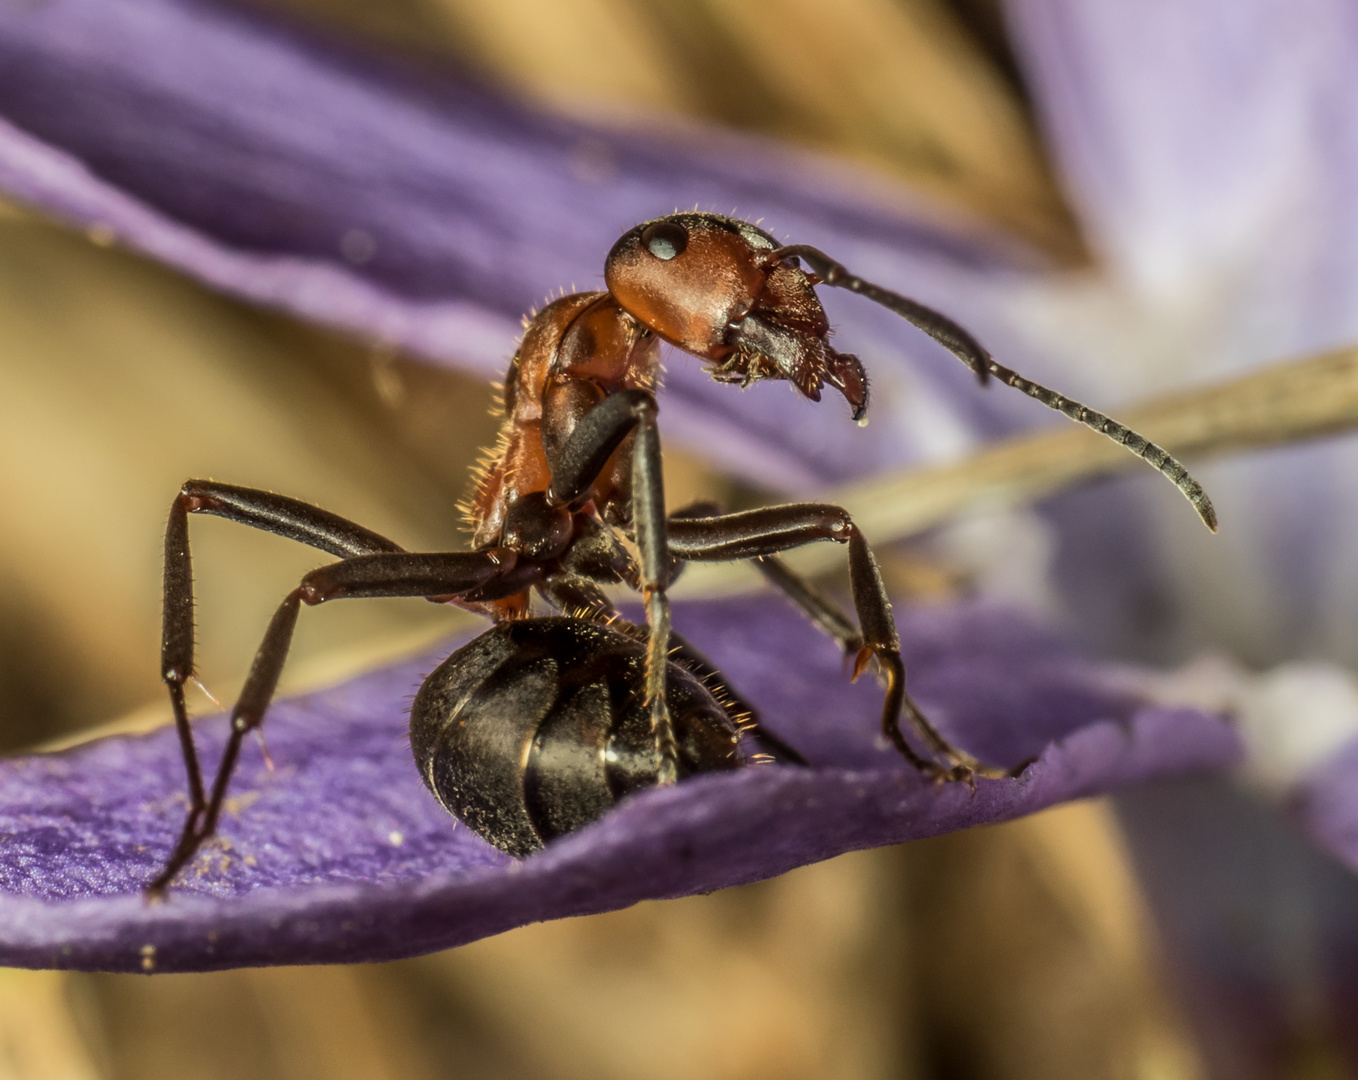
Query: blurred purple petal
{"points": [[341, 855], [1326, 801], [1211, 148], [1261, 928], [313, 289], [1261, 923], [429, 214], [1192, 134]]}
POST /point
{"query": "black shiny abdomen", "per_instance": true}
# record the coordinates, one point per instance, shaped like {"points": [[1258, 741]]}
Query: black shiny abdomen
{"points": [[538, 726]]}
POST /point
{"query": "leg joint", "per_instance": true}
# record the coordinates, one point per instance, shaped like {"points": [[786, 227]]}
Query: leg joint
{"points": [[196, 496]]}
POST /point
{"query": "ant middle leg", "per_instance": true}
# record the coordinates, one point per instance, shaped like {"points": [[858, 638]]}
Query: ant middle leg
{"points": [[823, 612], [759, 534]]}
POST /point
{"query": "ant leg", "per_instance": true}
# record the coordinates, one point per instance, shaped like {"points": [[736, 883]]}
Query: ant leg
{"points": [[756, 534], [648, 518], [819, 608], [588, 448], [261, 510], [176, 646], [823, 612], [387, 574]]}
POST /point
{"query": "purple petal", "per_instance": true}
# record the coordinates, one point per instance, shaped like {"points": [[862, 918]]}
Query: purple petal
{"points": [[253, 158], [1211, 147], [1261, 928], [341, 855], [1326, 802], [1197, 136]]}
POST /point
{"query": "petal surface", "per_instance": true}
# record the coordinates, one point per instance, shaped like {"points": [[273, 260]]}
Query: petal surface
{"points": [[341, 855]]}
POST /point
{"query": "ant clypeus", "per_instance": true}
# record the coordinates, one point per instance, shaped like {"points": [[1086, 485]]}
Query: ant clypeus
{"points": [[540, 724]]}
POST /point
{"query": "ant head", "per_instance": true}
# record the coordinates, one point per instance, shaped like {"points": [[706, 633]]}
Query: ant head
{"points": [[718, 288]]}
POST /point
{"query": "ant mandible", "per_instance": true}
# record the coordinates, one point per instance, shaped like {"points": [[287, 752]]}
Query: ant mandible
{"points": [[539, 725]]}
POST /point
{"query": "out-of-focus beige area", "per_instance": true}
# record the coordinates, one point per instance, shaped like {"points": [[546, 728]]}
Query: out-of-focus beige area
{"points": [[1013, 952]]}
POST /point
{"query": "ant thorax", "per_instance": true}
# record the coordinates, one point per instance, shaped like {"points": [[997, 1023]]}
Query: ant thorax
{"points": [[575, 352]]}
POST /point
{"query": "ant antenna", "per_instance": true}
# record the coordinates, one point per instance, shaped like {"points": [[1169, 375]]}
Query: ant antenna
{"points": [[956, 339], [967, 349], [1152, 454]]}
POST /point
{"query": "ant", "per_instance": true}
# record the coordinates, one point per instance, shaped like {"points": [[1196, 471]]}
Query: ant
{"points": [[539, 725]]}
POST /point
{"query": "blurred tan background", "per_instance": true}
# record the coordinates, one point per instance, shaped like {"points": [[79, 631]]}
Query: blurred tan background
{"points": [[1014, 952]]}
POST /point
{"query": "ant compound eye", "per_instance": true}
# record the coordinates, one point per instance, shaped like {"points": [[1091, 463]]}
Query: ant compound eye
{"points": [[665, 239]]}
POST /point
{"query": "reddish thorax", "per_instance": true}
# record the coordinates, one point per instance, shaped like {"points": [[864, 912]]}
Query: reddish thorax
{"points": [[577, 351]]}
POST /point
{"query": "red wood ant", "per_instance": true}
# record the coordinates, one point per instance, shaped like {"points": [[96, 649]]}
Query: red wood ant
{"points": [[540, 724]]}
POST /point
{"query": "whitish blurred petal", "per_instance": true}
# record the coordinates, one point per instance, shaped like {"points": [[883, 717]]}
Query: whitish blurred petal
{"points": [[1212, 150], [1297, 718], [1193, 134]]}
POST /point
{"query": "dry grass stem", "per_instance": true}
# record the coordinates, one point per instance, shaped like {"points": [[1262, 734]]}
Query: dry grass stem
{"points": [[1285, 403]]}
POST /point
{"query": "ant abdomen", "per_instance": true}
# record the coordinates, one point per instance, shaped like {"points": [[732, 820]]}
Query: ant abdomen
{"points": [[539, 726]]}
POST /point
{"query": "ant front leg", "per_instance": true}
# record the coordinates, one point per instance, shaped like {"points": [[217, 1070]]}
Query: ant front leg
{"points": [[759, 534], [586, 451]]}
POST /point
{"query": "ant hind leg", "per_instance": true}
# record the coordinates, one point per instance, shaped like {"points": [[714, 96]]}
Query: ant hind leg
{"points": [[376, 567]]}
